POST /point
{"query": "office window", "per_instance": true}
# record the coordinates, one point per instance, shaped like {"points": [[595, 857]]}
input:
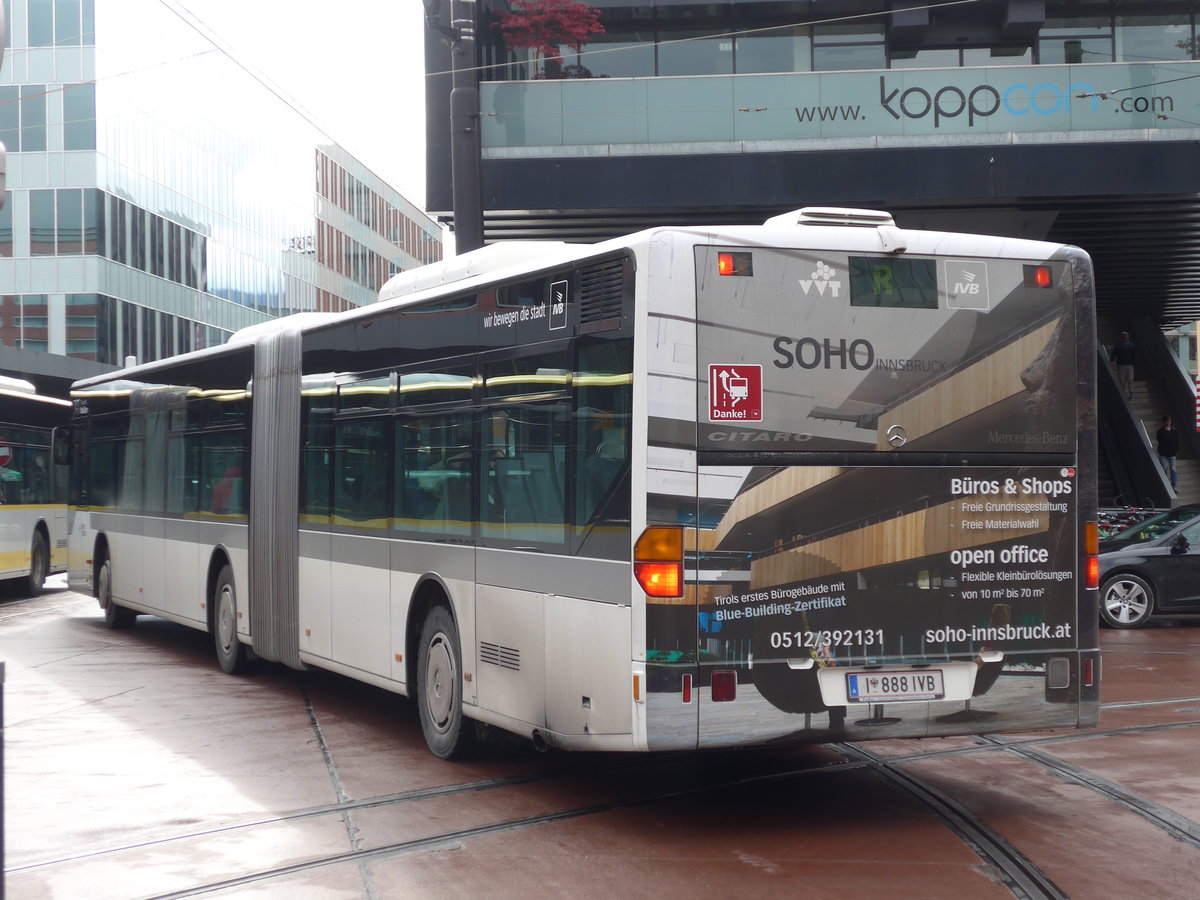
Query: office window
{"points": [[68, 25], [41, 223], [70, 221], [93, 221], [40, 15], [10, 117], [787, 49], [6, 226], [844, 47], [1154, 38], [1085, 39], [33, 117], [79, 117]]}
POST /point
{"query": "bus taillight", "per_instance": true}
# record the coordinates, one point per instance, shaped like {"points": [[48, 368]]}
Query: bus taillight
{"points": [[735, 264], [1091, 538], [1038, 276], [658, 562]]}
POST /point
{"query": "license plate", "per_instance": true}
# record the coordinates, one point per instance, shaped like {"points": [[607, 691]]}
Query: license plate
{"points": [[876, 687]]}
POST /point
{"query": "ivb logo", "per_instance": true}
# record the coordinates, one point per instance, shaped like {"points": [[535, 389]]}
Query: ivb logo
{"points": [[968, 284], [734, 393]]}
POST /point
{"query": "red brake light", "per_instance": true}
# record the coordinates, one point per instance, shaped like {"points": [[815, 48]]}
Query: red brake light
{"points": [[1038, 276], [660, 579], [1091, 549], [735, 264]]}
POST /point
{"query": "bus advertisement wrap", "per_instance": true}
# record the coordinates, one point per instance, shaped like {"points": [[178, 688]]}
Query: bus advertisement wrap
{"points": [[990, 560]]}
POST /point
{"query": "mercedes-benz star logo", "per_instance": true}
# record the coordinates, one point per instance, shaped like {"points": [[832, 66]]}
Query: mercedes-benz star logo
{"points": [[897, 436]]}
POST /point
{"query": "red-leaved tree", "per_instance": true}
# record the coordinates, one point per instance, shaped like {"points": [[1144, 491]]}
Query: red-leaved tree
{"points": [[545, 25]]}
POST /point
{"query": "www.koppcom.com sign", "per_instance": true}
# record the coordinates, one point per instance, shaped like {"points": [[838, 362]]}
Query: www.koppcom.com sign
{"points": [[822, 105], [1027, 98]]}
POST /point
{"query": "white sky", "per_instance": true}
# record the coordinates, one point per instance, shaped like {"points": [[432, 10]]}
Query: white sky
{"points": [[357, 66]]}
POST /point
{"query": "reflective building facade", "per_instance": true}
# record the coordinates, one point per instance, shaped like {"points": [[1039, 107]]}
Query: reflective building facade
{"points": [[160, 196], [1074, 120]]}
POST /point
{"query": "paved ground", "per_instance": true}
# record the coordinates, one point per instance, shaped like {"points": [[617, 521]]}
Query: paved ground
{"points": [[134, 768]]}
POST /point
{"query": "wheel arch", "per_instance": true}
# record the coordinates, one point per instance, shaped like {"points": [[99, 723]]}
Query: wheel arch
{"points": [[99, 554], [429, 592], [1130, 569], [217, 560], [40, 527]]}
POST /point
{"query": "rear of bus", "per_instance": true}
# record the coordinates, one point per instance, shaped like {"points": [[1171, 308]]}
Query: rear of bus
{"points": [[878, 446]]}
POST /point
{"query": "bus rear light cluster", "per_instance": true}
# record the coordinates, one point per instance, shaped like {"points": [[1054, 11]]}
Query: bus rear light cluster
{"points": [[724, 687], [1091, 538], [658, 562]]}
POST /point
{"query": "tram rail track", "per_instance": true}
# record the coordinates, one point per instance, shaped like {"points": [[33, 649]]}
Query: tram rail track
{"points": [[595, 785], [1022, 876]]}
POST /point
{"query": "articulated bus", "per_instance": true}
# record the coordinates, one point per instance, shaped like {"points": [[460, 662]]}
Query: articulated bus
{"points": [[33, 486], [820, 479]]}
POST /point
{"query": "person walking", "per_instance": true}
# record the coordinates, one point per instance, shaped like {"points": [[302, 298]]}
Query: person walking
{"points": [[1168, 448], [1122, 355]]}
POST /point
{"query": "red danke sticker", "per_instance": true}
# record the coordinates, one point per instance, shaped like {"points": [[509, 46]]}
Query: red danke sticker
{"points": [[734, 393]]}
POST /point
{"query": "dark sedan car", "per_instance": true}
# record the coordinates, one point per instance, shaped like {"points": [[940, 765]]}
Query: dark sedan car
{"points": [[1153, 567]]}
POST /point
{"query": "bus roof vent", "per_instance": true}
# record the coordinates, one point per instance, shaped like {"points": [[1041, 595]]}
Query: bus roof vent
{"points": [[490, 258], [601, 295], [832, 215]]}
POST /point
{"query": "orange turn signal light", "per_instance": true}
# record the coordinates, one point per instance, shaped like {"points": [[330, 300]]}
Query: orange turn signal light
{"points": [[658, 562]]}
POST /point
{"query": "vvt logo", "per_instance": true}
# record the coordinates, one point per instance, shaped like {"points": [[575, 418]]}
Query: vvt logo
{"points": [[822, 281]]}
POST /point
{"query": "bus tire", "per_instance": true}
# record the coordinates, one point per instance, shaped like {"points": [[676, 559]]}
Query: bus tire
{"points": [[115, 617], [39, 565], [231, 652], [439, 687]]}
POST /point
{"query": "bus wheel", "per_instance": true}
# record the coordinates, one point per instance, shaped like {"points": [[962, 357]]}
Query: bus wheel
{"points": [[439, 687], [231, 653], [39, 565], [115, 617]]}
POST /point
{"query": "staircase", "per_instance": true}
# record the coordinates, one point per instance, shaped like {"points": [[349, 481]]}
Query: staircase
{"points": [[1149, 404]]}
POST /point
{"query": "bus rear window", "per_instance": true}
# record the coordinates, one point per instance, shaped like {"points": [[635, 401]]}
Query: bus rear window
{"points": [[820, 350]]}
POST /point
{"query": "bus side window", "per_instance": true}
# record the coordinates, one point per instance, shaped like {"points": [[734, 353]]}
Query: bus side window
{"points": [[434, 474], [603, 397], [361, 471], [525, 480]]}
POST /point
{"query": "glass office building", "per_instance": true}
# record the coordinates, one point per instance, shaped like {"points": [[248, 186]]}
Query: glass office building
{"points": [[160, 196]]}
